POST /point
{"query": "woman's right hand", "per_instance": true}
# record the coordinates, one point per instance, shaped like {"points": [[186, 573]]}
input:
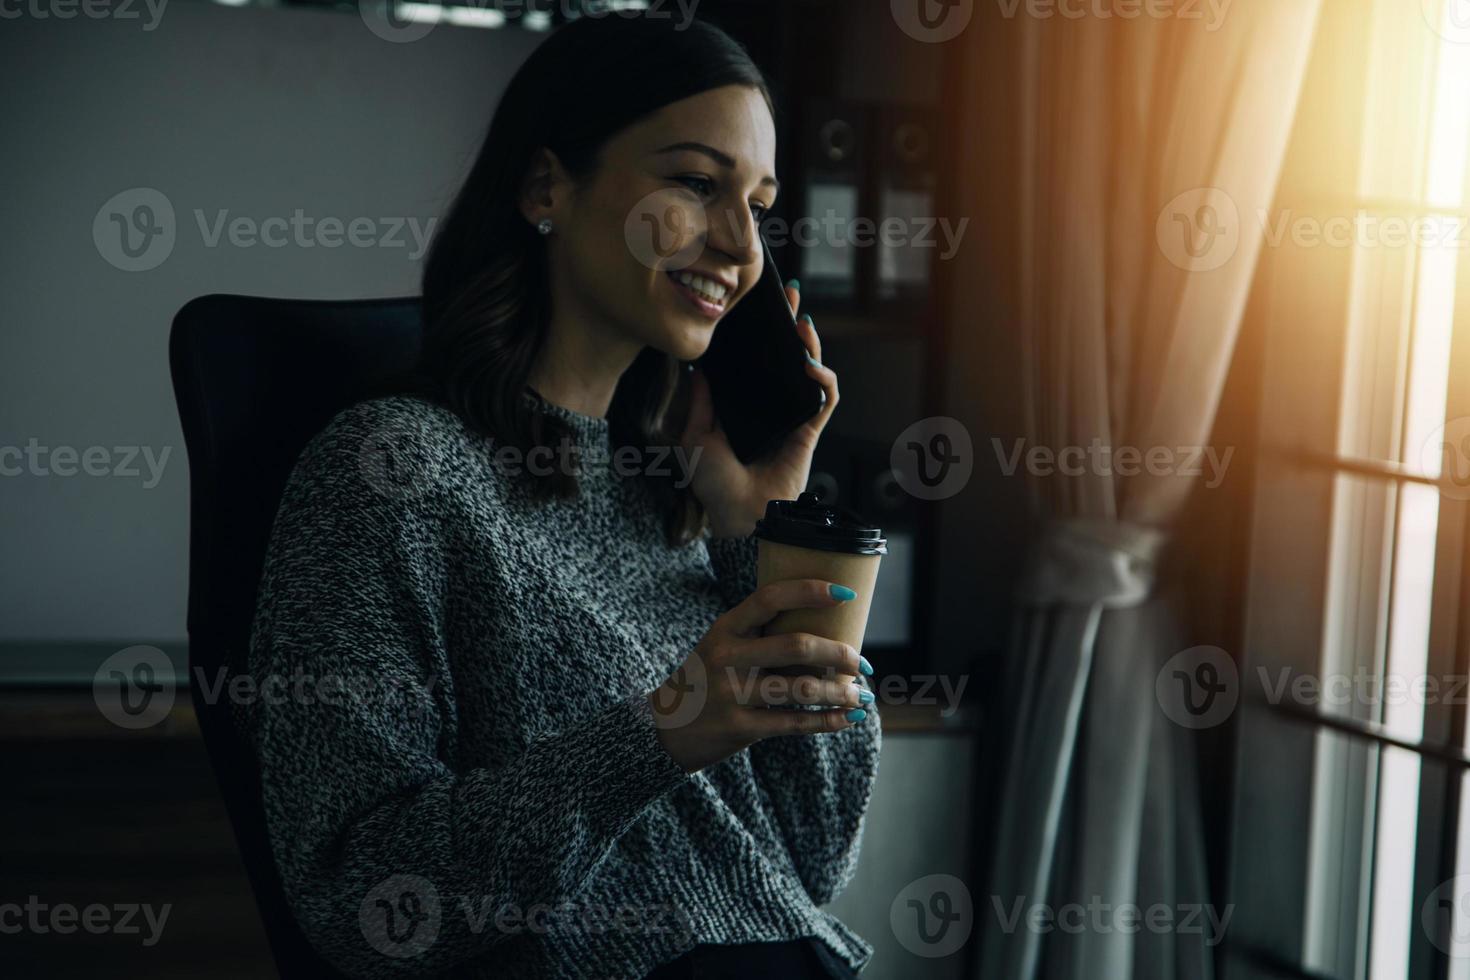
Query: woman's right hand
{"points": [[719, 700]]}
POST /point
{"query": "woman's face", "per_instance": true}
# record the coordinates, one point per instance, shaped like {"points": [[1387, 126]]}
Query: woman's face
{"points": [[676, 195]]}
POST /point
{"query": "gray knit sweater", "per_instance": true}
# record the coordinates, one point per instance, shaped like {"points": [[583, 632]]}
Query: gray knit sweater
{"points": [[468, 780]]}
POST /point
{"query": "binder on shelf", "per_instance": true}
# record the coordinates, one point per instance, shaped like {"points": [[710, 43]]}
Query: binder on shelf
{"points": [[836, 158], [906, 141]]}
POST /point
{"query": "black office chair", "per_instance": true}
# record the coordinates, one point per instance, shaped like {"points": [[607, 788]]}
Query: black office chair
{"points": [[255, 379]]}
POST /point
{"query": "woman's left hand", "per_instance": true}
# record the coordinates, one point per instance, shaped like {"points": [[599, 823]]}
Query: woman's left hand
{"points": [[735, 494]]}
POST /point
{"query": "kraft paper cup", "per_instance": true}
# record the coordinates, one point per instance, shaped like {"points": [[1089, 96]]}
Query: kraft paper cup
{"points": [[805, 538]]}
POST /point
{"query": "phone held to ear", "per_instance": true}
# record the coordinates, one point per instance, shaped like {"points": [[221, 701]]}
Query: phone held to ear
{"points": [[756, 368]]}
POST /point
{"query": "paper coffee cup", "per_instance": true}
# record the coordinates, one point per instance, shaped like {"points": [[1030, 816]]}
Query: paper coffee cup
{"points": [[805, 538]]}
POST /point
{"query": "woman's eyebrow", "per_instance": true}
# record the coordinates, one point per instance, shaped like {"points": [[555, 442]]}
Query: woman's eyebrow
{"points": [[718, 156]]}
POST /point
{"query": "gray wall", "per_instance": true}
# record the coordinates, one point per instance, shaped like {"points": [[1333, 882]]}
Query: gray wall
{"points": [[918, 828], [253, 111]]}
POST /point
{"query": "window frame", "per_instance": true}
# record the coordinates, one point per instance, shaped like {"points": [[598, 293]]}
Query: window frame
{"points": [[1288, 587]]}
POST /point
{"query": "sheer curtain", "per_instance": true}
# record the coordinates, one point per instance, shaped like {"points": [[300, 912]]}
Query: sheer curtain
{"points": [[1149, 147]]}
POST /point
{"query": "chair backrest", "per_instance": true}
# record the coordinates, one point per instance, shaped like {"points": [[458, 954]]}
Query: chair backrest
{"points": [[255, 379]]}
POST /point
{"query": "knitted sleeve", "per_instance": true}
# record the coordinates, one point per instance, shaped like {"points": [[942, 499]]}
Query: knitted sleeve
{"points": [[376, 836], [733, 562], [819, 786]]}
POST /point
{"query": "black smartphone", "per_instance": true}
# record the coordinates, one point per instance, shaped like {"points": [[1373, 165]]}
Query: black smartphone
{"points": [[756, 368]]}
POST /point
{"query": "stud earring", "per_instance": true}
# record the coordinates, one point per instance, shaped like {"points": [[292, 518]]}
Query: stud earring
{"points": [[544, 226]]}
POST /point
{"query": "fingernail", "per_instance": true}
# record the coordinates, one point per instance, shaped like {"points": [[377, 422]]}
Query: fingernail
{"points": [[813, 360], [794, 284], [864, 666], [866, 697], [841, 591], [808, 318], [856, 714]]}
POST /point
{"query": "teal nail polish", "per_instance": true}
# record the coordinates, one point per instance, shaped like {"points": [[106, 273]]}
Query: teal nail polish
{"points": [[856, 714], [841, 592], [813, 360], [808, 318], [794, 284], [866, 697], [864, 666]]}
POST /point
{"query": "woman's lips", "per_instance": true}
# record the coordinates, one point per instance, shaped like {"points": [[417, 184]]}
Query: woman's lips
{"points": [[711, 311]]}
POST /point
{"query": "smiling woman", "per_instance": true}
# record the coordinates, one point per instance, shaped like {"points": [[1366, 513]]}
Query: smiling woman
{"points": [[590, 777]]}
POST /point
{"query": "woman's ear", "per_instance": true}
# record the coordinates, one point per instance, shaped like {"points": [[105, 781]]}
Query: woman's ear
{"points": [[545, 189]]}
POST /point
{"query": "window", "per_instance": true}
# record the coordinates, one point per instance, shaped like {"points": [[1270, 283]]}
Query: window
{"points": [[1352, 816]]}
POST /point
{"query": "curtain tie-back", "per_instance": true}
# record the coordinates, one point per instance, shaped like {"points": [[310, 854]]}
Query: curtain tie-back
{"points": [[1091, 562]]}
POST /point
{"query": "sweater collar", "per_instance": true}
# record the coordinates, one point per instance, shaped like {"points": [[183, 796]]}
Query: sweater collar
{"points": [[589, 430]]}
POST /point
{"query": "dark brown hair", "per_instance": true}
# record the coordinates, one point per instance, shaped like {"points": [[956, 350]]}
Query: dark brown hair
{"points": [[486, 292]]}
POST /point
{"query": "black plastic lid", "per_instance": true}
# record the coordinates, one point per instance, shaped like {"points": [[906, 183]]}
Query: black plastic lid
{"points": [[806, 522]]}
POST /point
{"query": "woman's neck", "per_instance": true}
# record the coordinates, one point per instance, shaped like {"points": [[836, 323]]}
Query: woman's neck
{"points": [[579, 365]]}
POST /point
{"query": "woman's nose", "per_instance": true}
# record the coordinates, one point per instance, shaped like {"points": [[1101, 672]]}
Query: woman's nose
{"points": [[733, 231]]}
